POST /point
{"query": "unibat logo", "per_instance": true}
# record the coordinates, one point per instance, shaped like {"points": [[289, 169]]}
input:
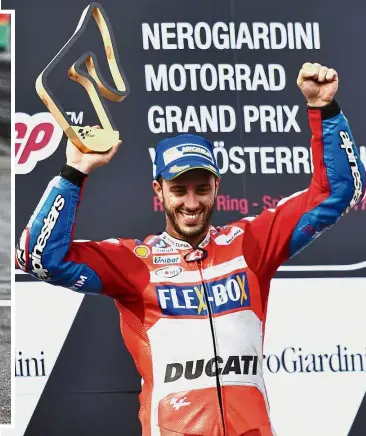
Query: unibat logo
{"points": [[37, 138]]}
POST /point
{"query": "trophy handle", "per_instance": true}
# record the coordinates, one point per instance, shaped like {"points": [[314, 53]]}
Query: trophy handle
{"points": [[89, 139]]}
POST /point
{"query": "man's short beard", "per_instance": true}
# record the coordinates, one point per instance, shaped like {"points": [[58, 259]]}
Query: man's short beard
{"points": [[207, 212]]}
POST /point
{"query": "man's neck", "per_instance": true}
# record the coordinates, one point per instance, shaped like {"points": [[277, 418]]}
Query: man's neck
{"points": [[192, 240]]}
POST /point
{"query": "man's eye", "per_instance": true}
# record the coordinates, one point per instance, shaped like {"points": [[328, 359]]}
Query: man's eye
{"points": [[203, 191]]}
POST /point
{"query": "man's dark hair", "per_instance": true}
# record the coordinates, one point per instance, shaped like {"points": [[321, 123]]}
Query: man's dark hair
{"points": [[160, 180]]}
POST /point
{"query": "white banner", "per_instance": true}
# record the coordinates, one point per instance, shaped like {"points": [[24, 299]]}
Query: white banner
{"points": [[315, 365], [44, 315], [316, 317]]}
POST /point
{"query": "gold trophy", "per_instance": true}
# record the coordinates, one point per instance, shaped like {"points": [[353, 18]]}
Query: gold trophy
{"points": [[89, 139]]}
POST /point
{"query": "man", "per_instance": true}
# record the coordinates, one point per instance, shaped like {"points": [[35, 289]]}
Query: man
{"points": [[193, 299]]}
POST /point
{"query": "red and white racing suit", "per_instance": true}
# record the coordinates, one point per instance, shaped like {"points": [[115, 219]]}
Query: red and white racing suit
{"points": [[193, 318]]}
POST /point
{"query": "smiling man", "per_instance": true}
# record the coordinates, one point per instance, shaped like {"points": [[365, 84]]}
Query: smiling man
{"points": [[186, 182], [193, 300]]}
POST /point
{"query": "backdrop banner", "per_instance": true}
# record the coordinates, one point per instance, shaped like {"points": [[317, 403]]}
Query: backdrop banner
{"points": [[226, 70], [70, 359]]}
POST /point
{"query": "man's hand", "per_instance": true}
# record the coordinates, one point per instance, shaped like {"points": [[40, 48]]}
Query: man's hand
{"points": [[318, 83], [86, 162]]}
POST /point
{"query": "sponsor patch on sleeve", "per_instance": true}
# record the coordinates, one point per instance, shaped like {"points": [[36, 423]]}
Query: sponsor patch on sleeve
{"points": [[142, 251]]}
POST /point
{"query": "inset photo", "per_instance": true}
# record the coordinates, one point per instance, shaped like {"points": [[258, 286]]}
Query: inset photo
{"points": [[5, 155], [6, 260], [5, 365]]}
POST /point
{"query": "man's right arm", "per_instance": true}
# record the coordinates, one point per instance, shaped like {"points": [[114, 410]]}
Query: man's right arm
{"points": [[46, 249]]}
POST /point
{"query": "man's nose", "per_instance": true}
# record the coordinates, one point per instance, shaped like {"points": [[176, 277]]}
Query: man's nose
{"points": [[191, 201]]}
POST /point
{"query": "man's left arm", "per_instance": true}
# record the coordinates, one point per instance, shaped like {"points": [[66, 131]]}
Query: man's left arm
{"points": [[337, 185]]}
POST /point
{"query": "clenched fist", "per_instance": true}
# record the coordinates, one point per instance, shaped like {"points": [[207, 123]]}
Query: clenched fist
{"points": [[318, 83]]}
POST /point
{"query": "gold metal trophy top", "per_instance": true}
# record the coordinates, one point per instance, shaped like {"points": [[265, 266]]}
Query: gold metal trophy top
{"points": [[89, 139]]}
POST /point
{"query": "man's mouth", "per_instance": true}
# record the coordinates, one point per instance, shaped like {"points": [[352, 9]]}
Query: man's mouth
{"points": [[191, 218]]}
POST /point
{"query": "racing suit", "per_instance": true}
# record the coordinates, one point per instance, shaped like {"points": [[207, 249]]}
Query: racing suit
{"points": [[193, 317]]}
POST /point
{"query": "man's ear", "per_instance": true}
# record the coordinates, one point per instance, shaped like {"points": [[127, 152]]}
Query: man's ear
{"points": [[217, 185], [158, 189]]}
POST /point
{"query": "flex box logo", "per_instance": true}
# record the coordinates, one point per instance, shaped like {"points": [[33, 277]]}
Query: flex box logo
{"points": [[225, 294]]}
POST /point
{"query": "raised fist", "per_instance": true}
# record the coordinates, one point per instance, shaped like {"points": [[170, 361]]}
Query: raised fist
{"points": [[318, 83]]}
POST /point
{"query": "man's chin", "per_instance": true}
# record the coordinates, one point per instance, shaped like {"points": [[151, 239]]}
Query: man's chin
{"points": [[191, 231]]}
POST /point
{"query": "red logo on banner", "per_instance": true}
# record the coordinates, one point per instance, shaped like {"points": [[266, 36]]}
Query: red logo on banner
{"points": [[37, 137]]}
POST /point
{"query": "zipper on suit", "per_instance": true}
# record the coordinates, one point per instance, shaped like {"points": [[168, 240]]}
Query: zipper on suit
{"points": [[218, 384]]}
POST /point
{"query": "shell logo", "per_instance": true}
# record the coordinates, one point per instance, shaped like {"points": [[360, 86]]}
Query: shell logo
{"points": [[141, 251]]}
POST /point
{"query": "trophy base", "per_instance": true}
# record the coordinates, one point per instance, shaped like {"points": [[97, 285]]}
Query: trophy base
{"points": [[91, 139]]}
